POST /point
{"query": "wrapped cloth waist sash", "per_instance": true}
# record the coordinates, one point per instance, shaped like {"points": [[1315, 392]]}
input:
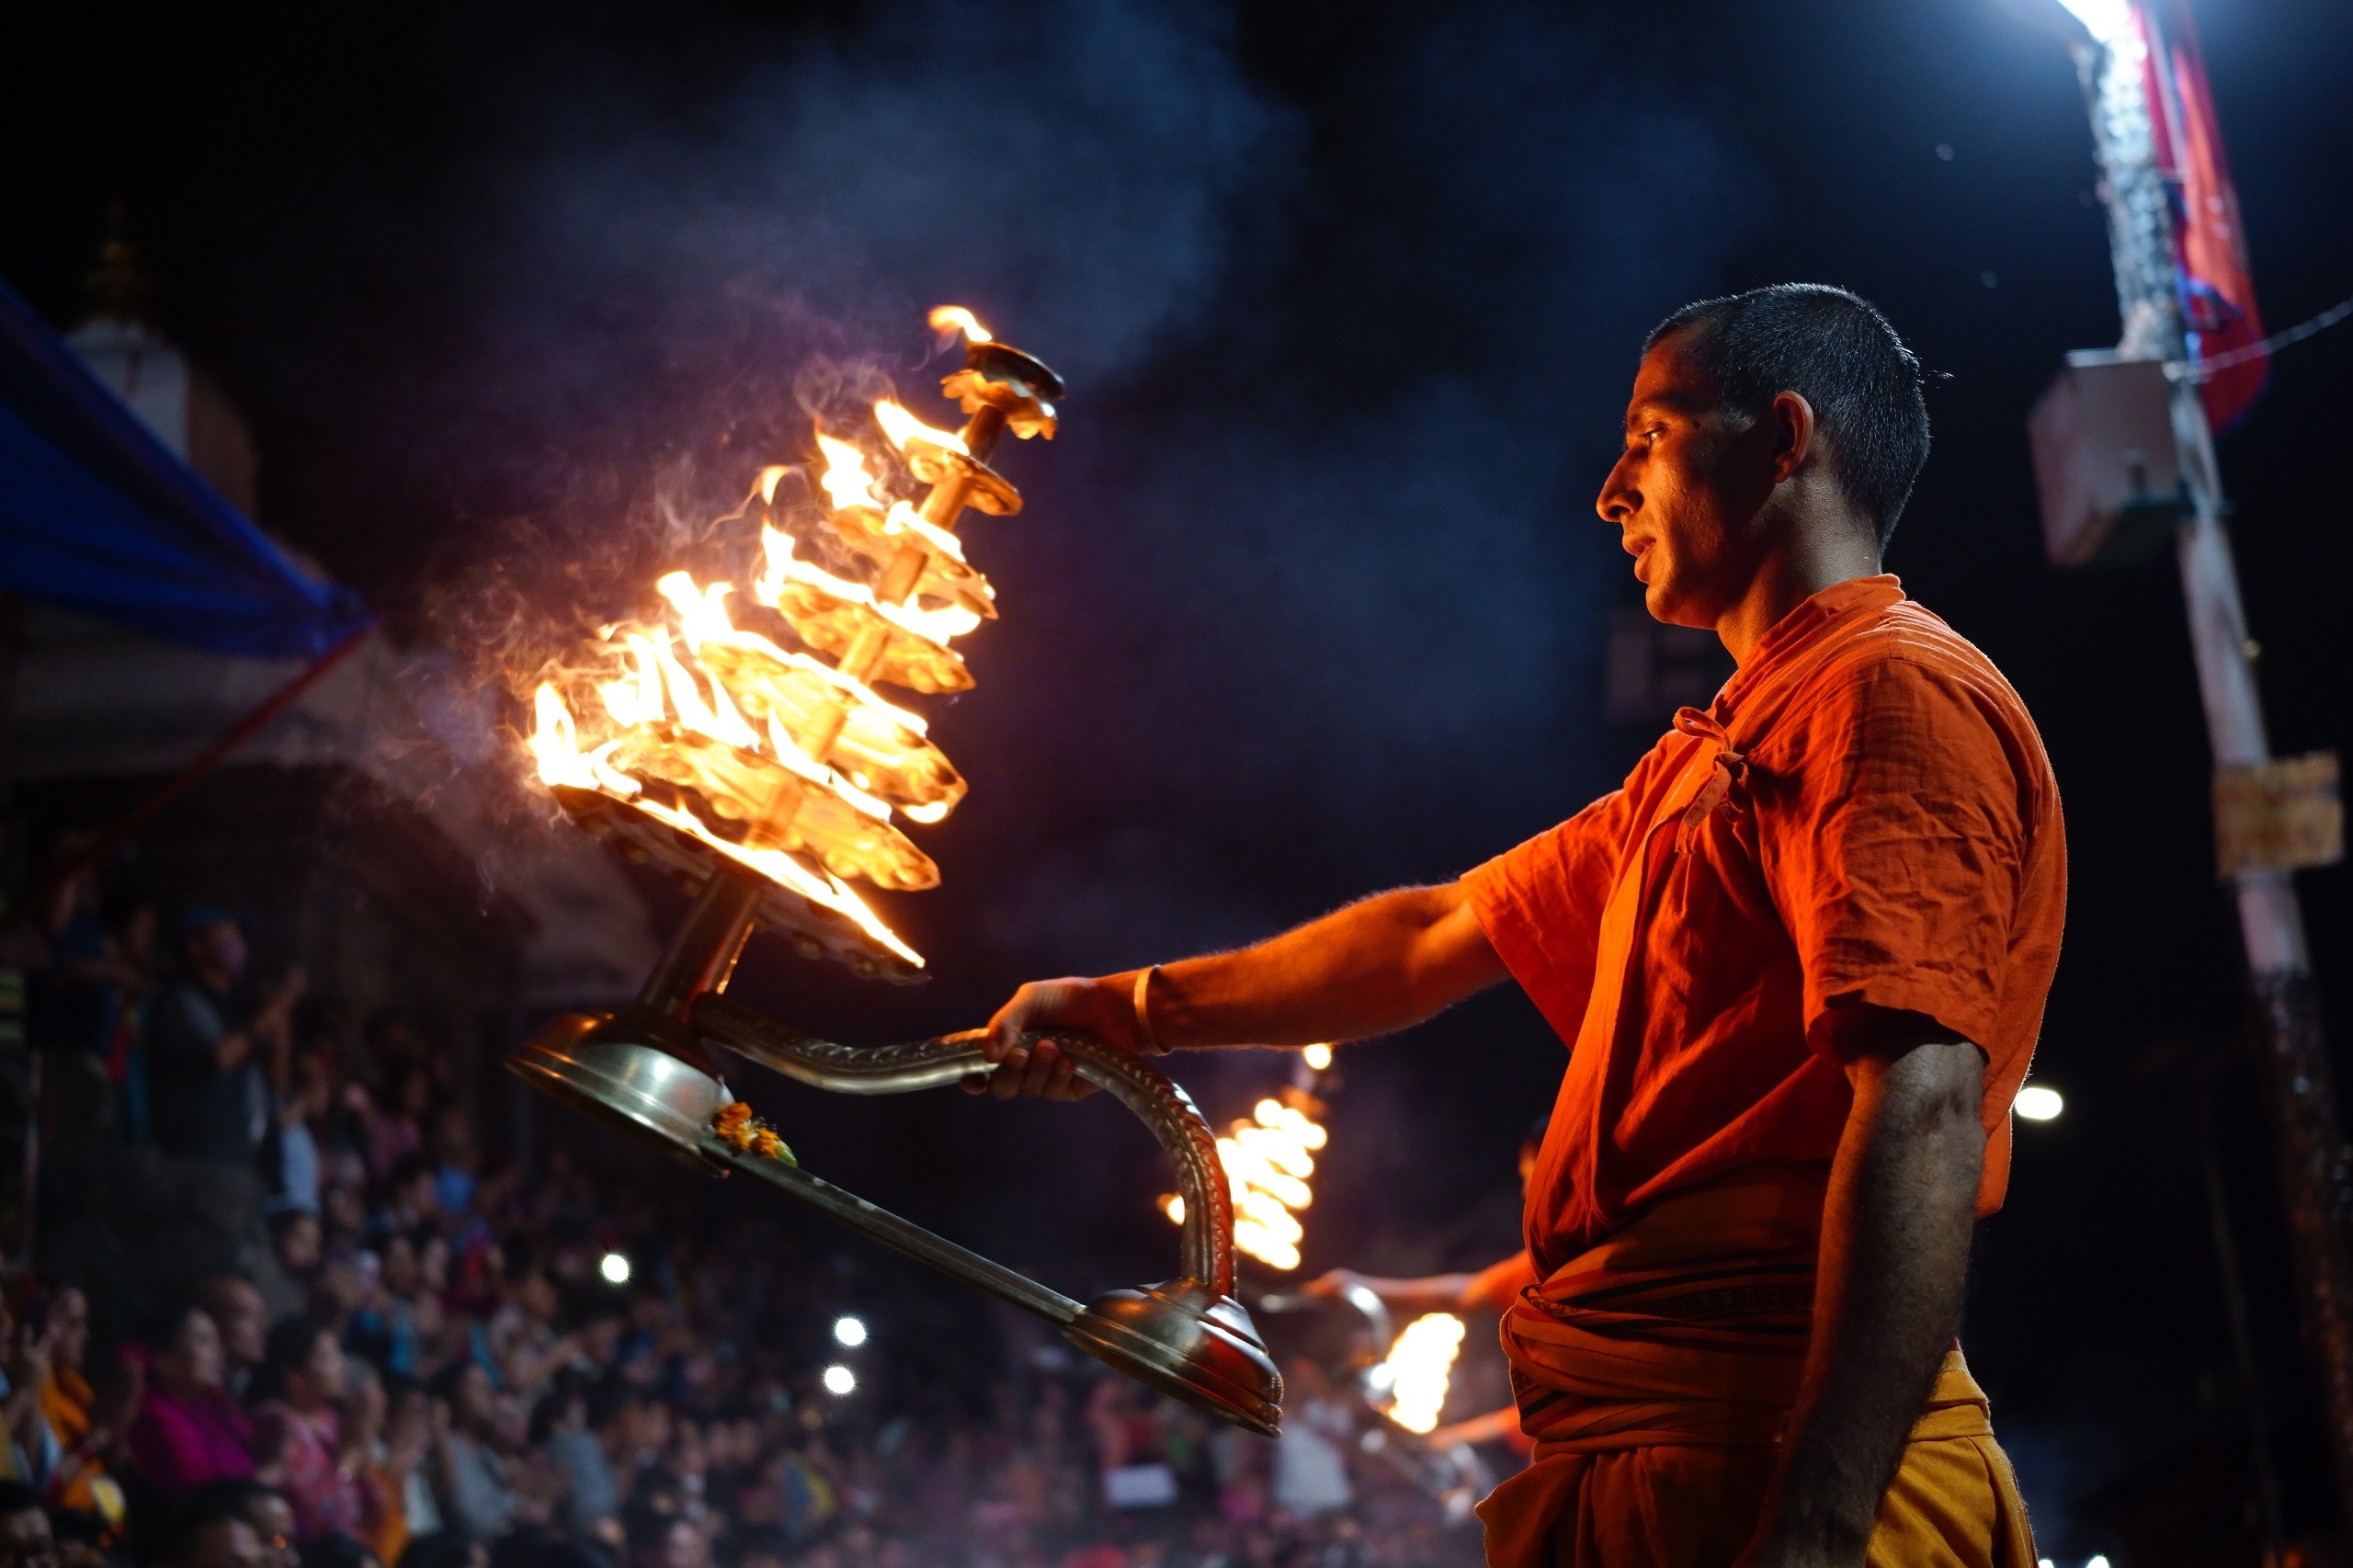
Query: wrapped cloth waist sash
{"points": [[1689, 1328]]}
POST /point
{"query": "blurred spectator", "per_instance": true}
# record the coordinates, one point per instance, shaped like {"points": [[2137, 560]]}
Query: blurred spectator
{"points": [[469, 1476], [26, 1539], [385, 1446], [127, 990], [31, 1452], [189, 1431], [262, 1507], [242, 1319], [1310, 1465], [412, 1199], [395, 1322], [309, 1097], [285, 1275], [395, 1125], [211, 1065], [451, 1151], [213, 1530], [84, 1437], [658, 1540], [302, 1381], [452, 1383]]}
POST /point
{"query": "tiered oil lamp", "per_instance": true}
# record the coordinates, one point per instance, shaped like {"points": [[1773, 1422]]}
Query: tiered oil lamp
{"points": [[769, 774]]}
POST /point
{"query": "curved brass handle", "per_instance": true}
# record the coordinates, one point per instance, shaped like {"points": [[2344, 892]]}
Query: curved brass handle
{"points": [[1207, 1257]]}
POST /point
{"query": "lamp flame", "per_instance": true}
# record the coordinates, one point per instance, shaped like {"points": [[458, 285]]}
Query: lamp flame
{"points": [[1268, 1157], [956, 318], [904, 428], [783, 760], [1420, 1369]]}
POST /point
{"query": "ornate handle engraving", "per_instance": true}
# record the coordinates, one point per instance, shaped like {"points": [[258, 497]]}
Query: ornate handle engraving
{"points": [[1161, 1105]]}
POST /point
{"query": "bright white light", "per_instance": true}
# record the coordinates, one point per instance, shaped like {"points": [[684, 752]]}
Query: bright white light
{"points": [[1317, 1057], [2038, 1102], [1420, 1366], [839, 1380], [614, 1267], [2106, 21], [849, 1331]]}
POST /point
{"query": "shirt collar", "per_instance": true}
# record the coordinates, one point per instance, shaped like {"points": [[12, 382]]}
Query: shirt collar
{"points": [[1805, 626]]}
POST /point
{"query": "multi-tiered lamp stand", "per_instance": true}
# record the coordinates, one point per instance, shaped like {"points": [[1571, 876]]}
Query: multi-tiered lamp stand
{"points": [[648, 1067]]}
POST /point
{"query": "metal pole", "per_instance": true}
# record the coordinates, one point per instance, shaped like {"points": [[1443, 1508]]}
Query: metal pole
{"points": [[2314, 1167], [2226, 1267]]}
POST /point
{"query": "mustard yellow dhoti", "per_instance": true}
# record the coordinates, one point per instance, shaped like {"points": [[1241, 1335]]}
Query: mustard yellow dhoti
{"points": [[1656, 1373]]}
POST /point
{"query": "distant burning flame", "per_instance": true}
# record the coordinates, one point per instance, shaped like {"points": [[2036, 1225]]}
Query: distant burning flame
{"points": [[1268, 1157], [781, 756], [1419, 1369]]}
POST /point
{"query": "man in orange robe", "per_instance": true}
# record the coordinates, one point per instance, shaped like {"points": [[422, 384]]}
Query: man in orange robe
{"points": [[1799, 958]]}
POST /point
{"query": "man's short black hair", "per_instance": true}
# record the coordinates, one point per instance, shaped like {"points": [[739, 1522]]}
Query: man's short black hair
{"points": [[1836, 351]]}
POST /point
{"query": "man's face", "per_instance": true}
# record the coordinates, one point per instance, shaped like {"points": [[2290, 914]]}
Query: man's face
{"points": [[1688, 491]]}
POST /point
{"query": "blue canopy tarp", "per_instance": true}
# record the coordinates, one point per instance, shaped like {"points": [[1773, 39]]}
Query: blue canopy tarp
{"points": [[96, 516]]}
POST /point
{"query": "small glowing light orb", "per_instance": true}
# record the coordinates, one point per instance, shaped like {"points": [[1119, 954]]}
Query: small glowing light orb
{"points": [[2038, 1102], [1317, 1057], [614, 1267], [839, 1380], [849, 1331]]}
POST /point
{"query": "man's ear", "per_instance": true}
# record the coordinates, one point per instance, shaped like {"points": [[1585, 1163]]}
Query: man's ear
{"points": [[1792, 420]]}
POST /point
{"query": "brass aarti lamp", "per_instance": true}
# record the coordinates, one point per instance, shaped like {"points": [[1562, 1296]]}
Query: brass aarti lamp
{"points": [[770, 772]]}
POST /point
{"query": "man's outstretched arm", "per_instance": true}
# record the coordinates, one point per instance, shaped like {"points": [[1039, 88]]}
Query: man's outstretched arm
{"points": [[1895, 1238], [1391, 960]]}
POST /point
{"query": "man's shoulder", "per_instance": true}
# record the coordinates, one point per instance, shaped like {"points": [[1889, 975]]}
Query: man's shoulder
{"points": [[1904, 652]]}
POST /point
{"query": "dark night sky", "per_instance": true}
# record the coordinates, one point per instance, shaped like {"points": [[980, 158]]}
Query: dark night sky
{"points": [[1307, 599]]}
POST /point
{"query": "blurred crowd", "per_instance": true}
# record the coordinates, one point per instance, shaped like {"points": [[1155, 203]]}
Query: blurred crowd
{"points": [[382, 1347]]}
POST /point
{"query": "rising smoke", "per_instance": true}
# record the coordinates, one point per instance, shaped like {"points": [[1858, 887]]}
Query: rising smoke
{"points": [[1304, 601]]}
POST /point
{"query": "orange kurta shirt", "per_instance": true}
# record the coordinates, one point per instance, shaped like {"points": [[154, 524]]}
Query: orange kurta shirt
{"points": [[1892, 836]]}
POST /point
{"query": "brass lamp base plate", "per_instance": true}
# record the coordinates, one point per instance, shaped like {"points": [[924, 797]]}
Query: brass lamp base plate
{"points": [[1191, 1346], [816, 933], [631, 1071]]}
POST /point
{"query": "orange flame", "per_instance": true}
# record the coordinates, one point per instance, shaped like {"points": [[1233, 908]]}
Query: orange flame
{"points": [[904, 428], [845, 481], [1420, 1369], [1268, 1156], [776, 757], [956, 318]]}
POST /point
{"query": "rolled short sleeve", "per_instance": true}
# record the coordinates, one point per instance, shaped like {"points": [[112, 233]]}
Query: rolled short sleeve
{"points": [[1891, 835], [1541, 903]]}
